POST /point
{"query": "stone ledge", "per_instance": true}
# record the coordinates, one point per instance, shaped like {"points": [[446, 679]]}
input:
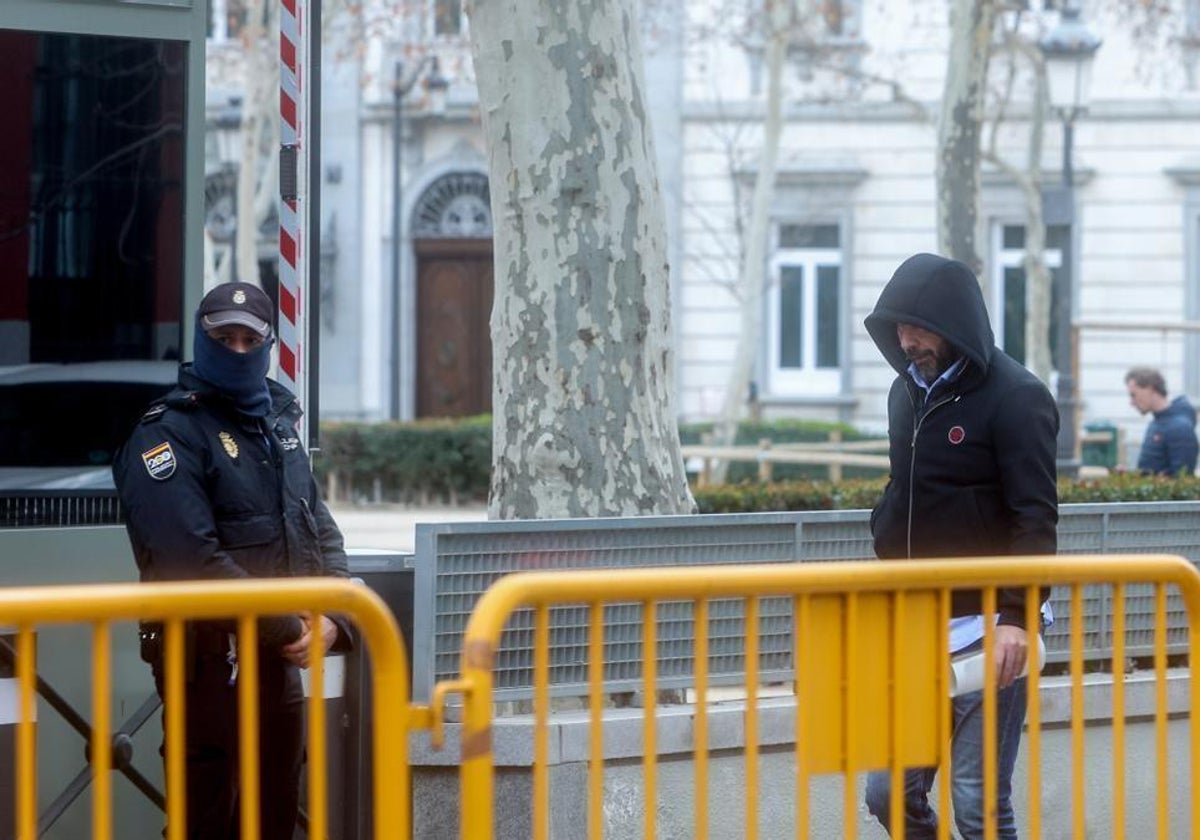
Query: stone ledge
{"points": [[569, 732]]}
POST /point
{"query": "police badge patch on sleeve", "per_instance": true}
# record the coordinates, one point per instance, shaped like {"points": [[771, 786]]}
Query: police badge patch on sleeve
{"points": [[160, 461]]}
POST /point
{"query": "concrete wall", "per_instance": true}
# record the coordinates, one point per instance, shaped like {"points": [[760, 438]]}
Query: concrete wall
{"points": [[435, 780], [38, 556]]}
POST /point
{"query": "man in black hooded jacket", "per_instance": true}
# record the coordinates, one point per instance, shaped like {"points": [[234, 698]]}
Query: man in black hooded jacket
{"points": [[216, 484], [971, 445]]}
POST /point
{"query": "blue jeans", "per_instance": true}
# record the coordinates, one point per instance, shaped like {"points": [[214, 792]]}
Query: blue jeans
{"points": [[966, 781]]}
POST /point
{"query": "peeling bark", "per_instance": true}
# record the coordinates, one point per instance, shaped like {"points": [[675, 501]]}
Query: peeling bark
{"points": [[583, 399]]}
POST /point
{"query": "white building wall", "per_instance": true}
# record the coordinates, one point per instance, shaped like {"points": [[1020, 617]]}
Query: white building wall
{"points": [[1131, 244]]}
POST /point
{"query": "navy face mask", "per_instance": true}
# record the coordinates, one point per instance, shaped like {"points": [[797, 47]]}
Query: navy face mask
{"points": [[240, 376]]}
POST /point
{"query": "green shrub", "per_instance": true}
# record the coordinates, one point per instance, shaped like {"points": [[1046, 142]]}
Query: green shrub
{"points": [[426, 460], [864, 493], [1130, 487], [789, 495]]}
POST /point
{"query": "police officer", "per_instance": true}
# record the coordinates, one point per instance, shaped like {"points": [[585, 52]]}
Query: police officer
{"points": [[216, 484]]}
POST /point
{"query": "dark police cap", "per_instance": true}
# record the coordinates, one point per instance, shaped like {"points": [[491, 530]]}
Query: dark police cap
{"points": [[237, 303]]}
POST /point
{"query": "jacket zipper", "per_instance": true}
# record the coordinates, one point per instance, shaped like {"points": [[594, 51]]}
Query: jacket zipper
{"points": [[912, 459]]}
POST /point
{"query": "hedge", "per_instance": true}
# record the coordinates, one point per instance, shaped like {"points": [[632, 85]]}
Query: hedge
{"points": [[422, 461], [856, 494], [450, 461]]}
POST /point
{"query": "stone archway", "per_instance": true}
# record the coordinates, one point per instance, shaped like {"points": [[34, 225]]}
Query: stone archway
{"points": [[452, 234]]}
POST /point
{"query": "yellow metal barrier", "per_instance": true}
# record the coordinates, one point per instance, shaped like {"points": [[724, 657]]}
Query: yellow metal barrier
{"points": [[872, 678], [175, 603]]}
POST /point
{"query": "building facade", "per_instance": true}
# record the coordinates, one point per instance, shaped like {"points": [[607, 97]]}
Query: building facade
{"points": [[405, 307]]}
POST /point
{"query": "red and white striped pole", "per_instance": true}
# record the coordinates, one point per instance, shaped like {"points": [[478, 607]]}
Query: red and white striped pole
{"points": [[293, 187]]}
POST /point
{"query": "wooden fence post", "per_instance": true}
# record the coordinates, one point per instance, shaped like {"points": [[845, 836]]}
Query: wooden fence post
{"points": [[835, 470], [764, 464]]}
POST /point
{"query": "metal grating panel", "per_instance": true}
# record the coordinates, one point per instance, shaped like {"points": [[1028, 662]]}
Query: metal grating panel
{"points": [[456, 562], [58, 508]]}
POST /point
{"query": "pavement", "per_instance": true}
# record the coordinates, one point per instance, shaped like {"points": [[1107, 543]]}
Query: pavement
{"points": [[393, 527]]}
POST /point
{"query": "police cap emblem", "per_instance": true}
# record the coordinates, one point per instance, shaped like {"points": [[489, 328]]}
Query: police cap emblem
{"points": [[239, 297], [160, 461]]}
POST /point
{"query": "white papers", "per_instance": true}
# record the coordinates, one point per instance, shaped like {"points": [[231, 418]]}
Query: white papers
{"points": [[966, 672]]}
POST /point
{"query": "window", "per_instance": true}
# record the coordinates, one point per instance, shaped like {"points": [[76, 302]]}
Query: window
{"points": [[1011, 291], [91, 245], [804, 331], [447, 17], [226, 19]]}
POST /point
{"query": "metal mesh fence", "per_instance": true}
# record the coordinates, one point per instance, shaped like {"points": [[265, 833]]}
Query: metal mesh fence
{"points": [[456, 562]]}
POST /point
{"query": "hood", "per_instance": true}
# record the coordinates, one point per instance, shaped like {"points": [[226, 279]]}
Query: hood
{"points": [[1180, 407], [939, 295]]}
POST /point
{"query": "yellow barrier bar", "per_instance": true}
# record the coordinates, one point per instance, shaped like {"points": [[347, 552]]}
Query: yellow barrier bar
{"points": [[541, 716], [1077, 812], [842, 580], [174, 709], [943, 719], [318, 798], [1160, 709], [26, 737], [896, 791], [850, 794], [250, 793], [752, 630], [802, 656], [990, 686], [1118, 716], [1033, 712], [649, 718], [700, 734], [101, 727], [171, 604], [596, 709], [1193, 706]]}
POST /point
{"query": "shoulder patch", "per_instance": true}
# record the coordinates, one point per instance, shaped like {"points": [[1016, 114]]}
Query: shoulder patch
{"points": [[160, 461]]}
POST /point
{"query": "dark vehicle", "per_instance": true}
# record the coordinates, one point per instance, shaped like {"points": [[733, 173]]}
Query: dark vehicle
{"points": [[61, 424]]}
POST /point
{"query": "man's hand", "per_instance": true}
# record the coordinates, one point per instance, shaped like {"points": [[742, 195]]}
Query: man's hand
{"points": [[297, 652], [1012, 649]]}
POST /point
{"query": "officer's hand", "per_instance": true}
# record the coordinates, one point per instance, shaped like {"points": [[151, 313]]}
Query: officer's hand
{"points": [[1012, 649], [298, 651]]}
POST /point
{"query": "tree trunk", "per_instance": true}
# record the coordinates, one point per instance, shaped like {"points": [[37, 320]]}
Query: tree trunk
{"points": [[754, 254], [971, 23], [583, 398], [260, 120]]}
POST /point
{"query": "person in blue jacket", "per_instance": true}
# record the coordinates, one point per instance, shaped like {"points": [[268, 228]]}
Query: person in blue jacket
{"points": [[215, 484], [1169, 447], [972, 474]]}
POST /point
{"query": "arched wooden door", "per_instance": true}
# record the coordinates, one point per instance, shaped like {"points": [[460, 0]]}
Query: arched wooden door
{"points": [[454, 344]]}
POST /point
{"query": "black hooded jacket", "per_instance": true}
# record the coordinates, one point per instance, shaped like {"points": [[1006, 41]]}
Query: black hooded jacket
{"points": [[972, 468]]}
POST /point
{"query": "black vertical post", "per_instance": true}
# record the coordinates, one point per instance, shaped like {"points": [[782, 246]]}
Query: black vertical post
{"points": [[397, 131], [313, 226], [1068, 465]]}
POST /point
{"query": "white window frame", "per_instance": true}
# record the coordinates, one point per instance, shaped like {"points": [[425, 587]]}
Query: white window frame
{"points": [[1006, 258], [807, 380]]}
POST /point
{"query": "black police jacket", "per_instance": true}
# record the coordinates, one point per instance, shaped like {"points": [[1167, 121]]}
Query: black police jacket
{"points": [[973, 467], [210, 493]]}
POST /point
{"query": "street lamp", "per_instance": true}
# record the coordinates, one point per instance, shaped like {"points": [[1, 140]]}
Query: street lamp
{"points": [[1068, 50], [436, 84]]}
